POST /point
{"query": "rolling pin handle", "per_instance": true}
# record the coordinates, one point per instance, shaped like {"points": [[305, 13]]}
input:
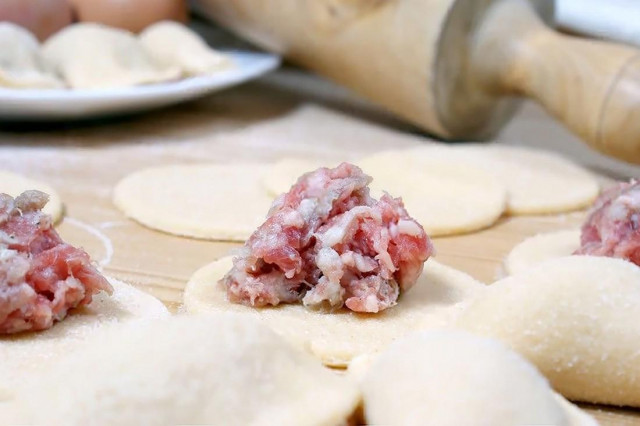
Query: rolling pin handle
{"points": [[592, 86]]}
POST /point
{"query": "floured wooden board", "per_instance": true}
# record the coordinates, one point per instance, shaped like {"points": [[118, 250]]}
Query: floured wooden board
{"points": [[85, 163]]}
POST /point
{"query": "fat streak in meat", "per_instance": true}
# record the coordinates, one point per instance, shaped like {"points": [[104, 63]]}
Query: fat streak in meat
{"points": [[612, 227]]}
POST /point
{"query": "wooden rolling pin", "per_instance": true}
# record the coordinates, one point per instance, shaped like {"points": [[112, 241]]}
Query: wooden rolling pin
{"points": [[455, 67]]}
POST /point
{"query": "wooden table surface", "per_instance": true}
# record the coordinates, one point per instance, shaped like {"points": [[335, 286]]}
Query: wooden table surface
{"points": [[288, 113]]}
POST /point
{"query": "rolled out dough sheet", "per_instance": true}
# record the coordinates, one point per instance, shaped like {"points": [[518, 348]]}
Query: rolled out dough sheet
{"points": [[539, 248], [457, 189], [538, 182], [210, 201], [15, 184], [445, 196], [336, 338]]}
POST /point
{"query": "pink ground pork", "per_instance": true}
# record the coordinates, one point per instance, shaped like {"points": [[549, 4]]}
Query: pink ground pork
{"points": [[328, 243], [41, 277]]}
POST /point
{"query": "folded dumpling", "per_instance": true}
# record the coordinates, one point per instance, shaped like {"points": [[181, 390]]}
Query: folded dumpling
{"points": [[93, 56], [216, 370], [173, 44], [451, 378], [21, 65]]}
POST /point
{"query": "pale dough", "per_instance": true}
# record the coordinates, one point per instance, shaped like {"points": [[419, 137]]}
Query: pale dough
{"points": [[464, 188], [21, 64], [285, 172], [173, 44], [336, 338], [218, 202], [577, 318], [537, 182], [575, 415], [454, 378], [360, 366], [444, 196], [14, 184], [541, 247], [224, 370], [93, 56], [33, 352]]}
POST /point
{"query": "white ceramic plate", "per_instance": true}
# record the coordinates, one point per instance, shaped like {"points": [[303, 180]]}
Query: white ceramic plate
{"points": [[64, 104]]}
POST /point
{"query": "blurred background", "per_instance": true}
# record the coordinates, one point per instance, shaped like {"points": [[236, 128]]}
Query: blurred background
{"points": [[616, 21]]}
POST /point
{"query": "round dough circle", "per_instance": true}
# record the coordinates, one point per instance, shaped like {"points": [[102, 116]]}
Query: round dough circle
{"points": [[32, 352], [577, 318], [539, 248], [212, 201], [15, 184], [222, 369], [537, 182], [426, 378], [336, 338], [444, 196]]}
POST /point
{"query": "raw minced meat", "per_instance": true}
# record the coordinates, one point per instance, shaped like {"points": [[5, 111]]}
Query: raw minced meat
{"points": [[41, 277], [613, 225], [327, 242]]}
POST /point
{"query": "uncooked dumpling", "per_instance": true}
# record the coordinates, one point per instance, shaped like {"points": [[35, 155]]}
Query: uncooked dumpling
{"points": [[92, 56], [222, 370], [21, 65], [577, 318], [210, 201], [453, 378], [32, 352], [14, 184], [535, 250], [444, 196], [337, 337], [175, 45]]}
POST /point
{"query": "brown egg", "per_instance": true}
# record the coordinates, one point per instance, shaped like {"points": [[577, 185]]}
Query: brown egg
{"points": [[132, 15], [41, 17]]}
